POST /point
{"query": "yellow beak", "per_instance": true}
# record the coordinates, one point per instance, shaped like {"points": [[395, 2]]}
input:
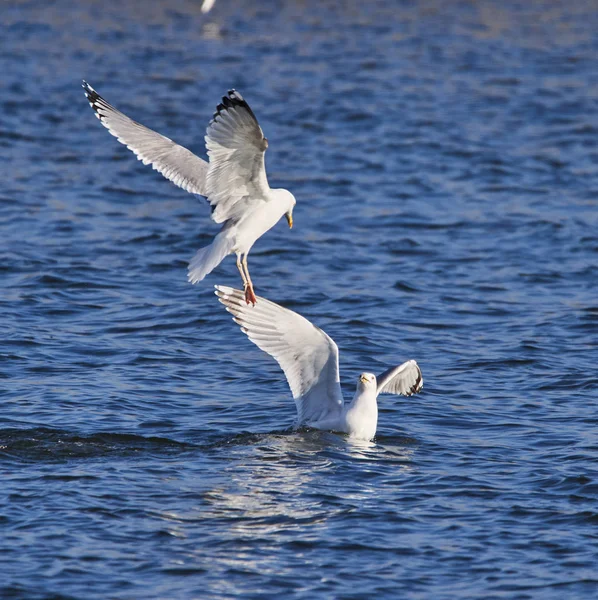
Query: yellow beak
{"points": [[289, 220], [363, 379]]}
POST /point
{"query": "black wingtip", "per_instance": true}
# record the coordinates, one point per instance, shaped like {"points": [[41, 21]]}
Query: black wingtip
{"points": [[88, 89], [91, 94], [92, 97], [233, 99], [417, 386], [235, 96]]}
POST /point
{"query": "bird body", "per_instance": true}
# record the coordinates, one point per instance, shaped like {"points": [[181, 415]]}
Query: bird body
{"points": [[358, 419], [238, 237], [309, 359], [261, 219], [361, 415]]}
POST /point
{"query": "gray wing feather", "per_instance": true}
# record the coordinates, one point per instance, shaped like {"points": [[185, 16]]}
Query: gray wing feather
{"points": [[175, 162], [236, 179], [308, 357], [405, 379]]}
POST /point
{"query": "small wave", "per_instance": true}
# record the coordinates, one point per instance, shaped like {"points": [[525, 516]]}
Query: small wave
{"points": [[46, 444]]}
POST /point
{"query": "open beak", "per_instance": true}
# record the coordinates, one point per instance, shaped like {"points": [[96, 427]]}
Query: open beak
{"points": [[289, 217], [363, 379]]}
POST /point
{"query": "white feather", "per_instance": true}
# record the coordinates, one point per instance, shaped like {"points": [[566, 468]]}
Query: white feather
{"points": [[175, 162]]}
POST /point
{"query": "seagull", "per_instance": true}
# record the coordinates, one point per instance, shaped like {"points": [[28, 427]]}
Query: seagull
{"points": [[233, 181], [309, 359], [206, 7]]}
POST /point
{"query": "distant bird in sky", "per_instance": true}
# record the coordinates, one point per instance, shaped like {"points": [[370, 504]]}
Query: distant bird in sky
{"points": [[206, 7], [234, 180], [309, 359]]}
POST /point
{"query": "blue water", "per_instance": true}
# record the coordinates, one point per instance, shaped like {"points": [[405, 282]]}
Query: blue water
{"points": [[444, 157]]}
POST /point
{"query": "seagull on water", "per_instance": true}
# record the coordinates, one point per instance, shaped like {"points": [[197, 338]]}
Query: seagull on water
{"points": [[234, 180], [309, 359]]}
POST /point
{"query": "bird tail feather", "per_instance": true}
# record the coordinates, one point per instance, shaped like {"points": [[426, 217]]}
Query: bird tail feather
{"points": [[208, 258]]}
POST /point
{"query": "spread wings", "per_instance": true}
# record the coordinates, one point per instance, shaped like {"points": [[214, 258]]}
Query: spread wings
{"points": [[175, 162], [405, 379], [236, 178], [308, 357]]}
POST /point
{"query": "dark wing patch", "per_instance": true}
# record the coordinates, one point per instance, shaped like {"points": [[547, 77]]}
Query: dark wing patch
{"points": [[92, 96], [235, 100], [95, 100], [417, 386], [391, 382]]}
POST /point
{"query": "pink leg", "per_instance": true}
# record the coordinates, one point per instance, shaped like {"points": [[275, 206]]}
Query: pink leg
{"points": [[249, 293]]}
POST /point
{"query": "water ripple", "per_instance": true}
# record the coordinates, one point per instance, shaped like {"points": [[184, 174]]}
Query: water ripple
{"points": [[445, 161]]}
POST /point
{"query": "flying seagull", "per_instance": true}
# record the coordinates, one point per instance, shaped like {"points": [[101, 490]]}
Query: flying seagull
{"points": [[309, 359], [234, 181]]}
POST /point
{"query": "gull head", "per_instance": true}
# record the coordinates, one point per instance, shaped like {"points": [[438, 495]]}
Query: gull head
{"points": [[367, 381], [287, 202]]}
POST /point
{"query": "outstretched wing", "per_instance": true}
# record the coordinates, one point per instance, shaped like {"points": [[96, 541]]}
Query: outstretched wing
{"points": [[406, 379], [176, 163], [236, 145], [308, 357]]}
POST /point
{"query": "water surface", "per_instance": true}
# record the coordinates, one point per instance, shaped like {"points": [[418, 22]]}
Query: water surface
{"points": [[445, 163]]}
